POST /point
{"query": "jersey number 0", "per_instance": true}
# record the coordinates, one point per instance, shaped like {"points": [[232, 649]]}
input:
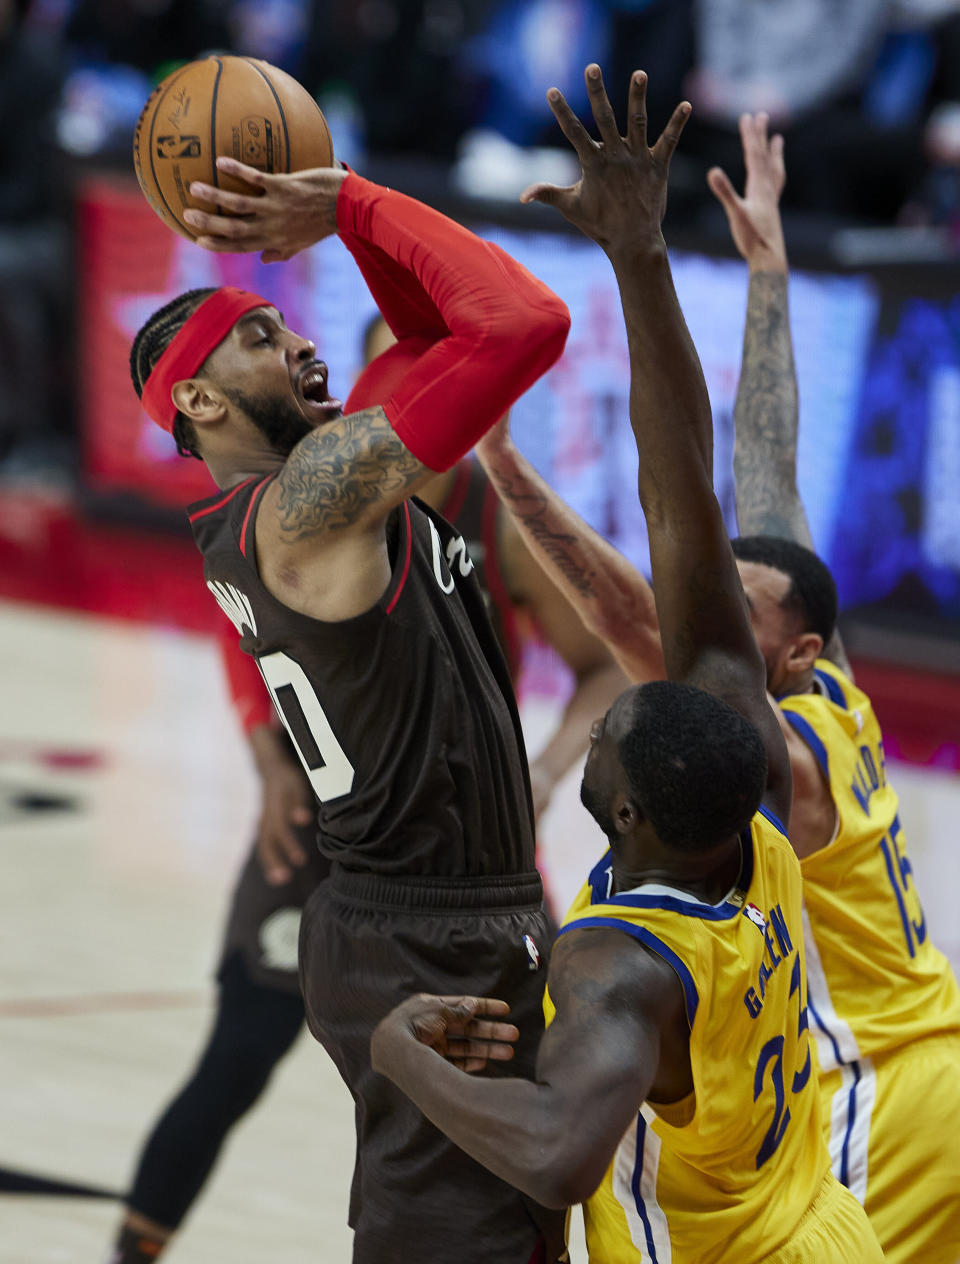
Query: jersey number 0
{"points": [[322, 756]]}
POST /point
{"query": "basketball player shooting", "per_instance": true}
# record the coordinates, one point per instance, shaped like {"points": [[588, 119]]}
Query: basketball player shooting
{"points": [[260, 1010], [364, 616], [678, 977]]}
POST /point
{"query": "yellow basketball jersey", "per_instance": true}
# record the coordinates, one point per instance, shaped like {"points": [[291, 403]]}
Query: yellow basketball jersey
{"points": [[738, 1163], [876, 981]]}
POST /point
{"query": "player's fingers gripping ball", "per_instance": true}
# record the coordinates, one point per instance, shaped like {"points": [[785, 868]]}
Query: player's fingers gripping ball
{"points": [[234, 106]]}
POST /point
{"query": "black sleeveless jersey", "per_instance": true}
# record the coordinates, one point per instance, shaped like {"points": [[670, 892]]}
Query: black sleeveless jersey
{"points": [[473, 507], [404, 716]]}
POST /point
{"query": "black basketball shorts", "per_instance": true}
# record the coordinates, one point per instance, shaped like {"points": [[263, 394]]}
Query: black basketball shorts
{"points": [[366, 943]]}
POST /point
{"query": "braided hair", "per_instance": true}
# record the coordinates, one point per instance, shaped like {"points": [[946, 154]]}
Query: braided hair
{"points": [[149, 345]]}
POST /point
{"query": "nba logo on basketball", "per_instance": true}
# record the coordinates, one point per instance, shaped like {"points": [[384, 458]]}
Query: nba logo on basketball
{"points": [[178, 146], [533, 952]]}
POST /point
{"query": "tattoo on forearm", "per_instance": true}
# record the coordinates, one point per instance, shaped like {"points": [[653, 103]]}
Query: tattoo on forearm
{"points": [[531, 508], [766, 420], [335, 474], [765, 454]]}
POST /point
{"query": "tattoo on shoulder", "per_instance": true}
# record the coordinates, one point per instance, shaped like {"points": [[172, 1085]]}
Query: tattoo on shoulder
{"points": [[334, 475], [531, 508]]}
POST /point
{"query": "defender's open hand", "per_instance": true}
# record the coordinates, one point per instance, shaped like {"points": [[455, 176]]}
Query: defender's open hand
{"points": [[282, 214], [755, 218], [461, 1028], [621, 196]]}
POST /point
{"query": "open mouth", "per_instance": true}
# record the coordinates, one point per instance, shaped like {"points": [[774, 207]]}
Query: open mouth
{"points": [[313, 394]]}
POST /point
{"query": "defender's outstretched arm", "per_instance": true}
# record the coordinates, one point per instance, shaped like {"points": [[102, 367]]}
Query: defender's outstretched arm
{"points": [[612, 598], [705, 627], [766, 413]]}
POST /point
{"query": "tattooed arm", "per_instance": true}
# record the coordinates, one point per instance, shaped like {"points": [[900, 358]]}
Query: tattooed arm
{"points": [[322, 534], [612, 598], [619, 1017], [344, 474], [597, 679], [766, 413]]}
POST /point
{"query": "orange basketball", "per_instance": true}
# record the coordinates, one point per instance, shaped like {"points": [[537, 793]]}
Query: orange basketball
{"points": [[236, 106]]}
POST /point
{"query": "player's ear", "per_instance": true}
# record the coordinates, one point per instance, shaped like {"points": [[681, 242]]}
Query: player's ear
{"points": [[803, 652], [626, 814], [198, 400]]}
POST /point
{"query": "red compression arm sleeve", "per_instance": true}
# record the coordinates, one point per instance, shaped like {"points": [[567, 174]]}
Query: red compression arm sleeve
{"points": [[248, 693], [383, 375], [403, 302], [497, 328]]}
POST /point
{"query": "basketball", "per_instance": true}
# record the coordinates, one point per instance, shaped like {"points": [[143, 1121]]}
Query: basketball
{"points": [[234, 106]]}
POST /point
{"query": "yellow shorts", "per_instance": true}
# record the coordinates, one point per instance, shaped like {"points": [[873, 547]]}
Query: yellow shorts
{"points": [[835, 1230], [893, 1129]]}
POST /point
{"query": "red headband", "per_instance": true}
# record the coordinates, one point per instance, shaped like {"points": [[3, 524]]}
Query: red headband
{"points": [[205, 330]]}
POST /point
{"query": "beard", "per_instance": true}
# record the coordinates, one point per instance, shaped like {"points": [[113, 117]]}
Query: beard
{"points": [[597, 806], [279, 421]]}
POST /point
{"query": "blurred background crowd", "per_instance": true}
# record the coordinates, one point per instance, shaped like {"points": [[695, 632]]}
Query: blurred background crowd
{"points": [[867, 91], [445, 100]]}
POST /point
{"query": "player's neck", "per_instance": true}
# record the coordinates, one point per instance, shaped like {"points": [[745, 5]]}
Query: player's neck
{"points": [[228, 472], [706, 875], [803, 682]]}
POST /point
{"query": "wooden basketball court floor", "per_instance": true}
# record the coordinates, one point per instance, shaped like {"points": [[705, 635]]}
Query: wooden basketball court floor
{"points": [[127, 802]]}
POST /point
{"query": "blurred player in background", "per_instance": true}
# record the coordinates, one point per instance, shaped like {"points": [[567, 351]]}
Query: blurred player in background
{"points": [[674, 1093], [260, 1008], [368, 626]]}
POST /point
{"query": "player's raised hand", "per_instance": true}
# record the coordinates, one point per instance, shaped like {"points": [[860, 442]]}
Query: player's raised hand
{"points": [[621, 196], [281, 215], [463, 1029], [755, 218]]}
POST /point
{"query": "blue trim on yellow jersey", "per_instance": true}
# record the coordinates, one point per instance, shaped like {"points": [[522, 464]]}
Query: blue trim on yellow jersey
{"points": [[600, 879], [635, 1187], [772, 818], [904, 919], [844, 1174], [691, 995], [834, 692], [675, 903], [811, 739], [825, 1029]]}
